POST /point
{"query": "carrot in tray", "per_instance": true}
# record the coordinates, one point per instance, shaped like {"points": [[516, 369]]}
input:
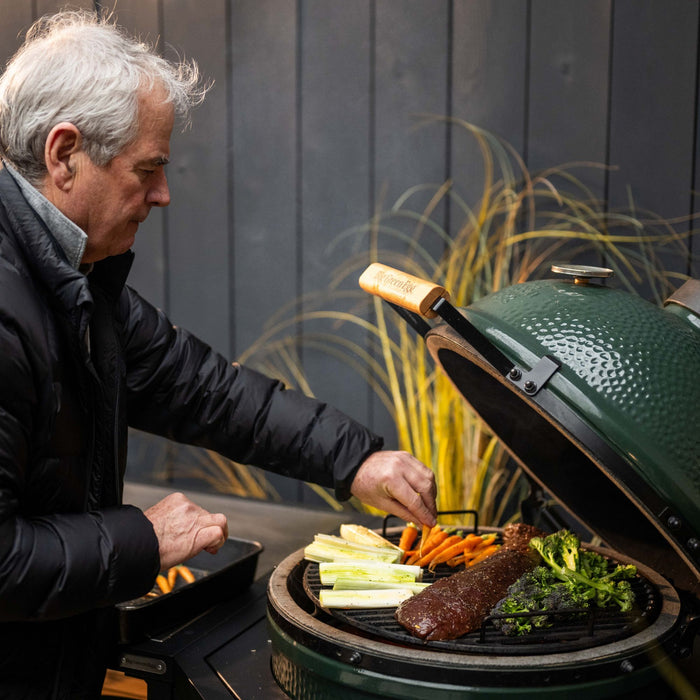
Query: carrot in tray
{"points": [[172, 575], [162, 582], [185, 573]]}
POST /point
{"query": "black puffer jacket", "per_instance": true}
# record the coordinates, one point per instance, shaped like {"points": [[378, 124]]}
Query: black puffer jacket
{"points": [[80, 359]]}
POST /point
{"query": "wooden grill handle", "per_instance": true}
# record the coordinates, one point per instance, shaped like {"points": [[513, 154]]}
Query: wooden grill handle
{"points": [[409, 292]]}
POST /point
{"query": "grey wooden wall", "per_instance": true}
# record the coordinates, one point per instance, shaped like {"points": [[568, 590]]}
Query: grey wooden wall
{"points": [[309, 126]]}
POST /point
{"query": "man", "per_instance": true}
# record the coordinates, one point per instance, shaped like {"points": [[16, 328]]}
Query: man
{"points": [[86, 115]]}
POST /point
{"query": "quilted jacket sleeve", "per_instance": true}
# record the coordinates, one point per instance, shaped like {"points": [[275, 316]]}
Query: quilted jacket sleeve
{"points": [[54, 565], [181, 389]]}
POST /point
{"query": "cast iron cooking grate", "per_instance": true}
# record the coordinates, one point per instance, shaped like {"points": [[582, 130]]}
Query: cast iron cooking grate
{"points": [[594, 628]]}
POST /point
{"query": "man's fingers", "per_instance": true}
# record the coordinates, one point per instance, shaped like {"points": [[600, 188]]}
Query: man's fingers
{"points": [[210, 538], [213, 533], [398, 483], [420, 507], [184, 529], [425, 491]]}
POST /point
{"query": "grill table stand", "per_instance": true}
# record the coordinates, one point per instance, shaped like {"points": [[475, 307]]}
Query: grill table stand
{"points": [[222, 654]]}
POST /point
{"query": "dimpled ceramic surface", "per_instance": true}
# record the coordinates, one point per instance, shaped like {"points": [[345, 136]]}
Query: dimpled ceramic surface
{"points": [[629, 368]]}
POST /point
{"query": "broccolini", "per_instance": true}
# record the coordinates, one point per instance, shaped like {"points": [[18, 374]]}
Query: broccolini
{"points": [[569, 578]]}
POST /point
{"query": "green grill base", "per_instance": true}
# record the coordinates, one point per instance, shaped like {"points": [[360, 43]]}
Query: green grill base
{"points": [[304, 674]]}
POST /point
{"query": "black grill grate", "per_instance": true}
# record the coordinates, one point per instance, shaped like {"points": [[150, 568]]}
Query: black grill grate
{"points": [[596, 627]]}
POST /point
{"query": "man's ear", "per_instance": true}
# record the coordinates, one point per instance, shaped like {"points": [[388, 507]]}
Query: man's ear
{"points": [[62, 149]]}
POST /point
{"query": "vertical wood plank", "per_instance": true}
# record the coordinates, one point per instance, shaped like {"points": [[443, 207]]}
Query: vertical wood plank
{"points": [[264, 185], [569, 78], [45, 7], [489, 76], [198, 242], [653, 102], [411, 81], [17, 17], [335, 70], [264, 163], [653, 105], [568, 101], [335, 129], [148, 272]]}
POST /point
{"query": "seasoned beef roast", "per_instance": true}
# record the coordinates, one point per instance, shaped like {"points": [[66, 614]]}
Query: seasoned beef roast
{"points": [[458, 604], [517, 536]]}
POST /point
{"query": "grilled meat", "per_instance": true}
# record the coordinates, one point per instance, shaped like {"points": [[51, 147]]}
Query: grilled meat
{"points": [[517, 536], [458, 604]]}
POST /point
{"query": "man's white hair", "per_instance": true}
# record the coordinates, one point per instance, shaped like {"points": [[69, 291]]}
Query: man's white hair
{"points": [[77, 67]]}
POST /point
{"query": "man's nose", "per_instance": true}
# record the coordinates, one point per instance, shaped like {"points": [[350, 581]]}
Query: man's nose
{"points": [[159, 194]]}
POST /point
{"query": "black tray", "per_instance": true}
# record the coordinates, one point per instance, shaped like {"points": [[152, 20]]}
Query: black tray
{"points": [[217, 577]]}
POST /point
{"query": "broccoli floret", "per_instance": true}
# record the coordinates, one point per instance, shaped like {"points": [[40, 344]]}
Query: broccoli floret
{"points": [[588, 573], [560, 550], [569, 578], [570, 550], [592, 565], [512, 626], [536, 591]]}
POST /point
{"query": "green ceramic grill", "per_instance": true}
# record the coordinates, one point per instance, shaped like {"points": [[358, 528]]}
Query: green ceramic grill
{"points": [[593, 392]]}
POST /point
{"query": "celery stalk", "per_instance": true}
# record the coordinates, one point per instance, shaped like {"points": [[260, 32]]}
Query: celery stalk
{"points": [[368, 571], [362, 535], [353, 584], [334, 540], [322, 552], [385, 598]]}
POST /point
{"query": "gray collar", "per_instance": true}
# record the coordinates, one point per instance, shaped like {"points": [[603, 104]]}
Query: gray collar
{"points": [[69, 236]]}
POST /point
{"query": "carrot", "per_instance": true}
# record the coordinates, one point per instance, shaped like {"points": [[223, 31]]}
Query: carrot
{"points": [[436, 536], [487, 541], [162, 582], [425, 535], [448, 542], [473, 541], [408, 537], [481, 543], [476, 546], [483, 554], [456, 561], [172, 575], [454, 549], [185, 573]]}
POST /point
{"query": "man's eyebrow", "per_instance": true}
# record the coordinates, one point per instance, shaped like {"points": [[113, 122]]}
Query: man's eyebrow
{"points": [[158, 160]]}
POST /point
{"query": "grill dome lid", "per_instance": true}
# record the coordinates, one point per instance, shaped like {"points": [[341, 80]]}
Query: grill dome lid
{"points": [[594, 393]]}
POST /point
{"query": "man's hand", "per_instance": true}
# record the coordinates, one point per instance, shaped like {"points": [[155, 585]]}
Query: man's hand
{"points": [[184, 529], [398, 483]]}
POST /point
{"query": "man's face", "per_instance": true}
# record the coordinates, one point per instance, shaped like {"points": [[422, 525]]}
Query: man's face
{"points": [[110, 202]]}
